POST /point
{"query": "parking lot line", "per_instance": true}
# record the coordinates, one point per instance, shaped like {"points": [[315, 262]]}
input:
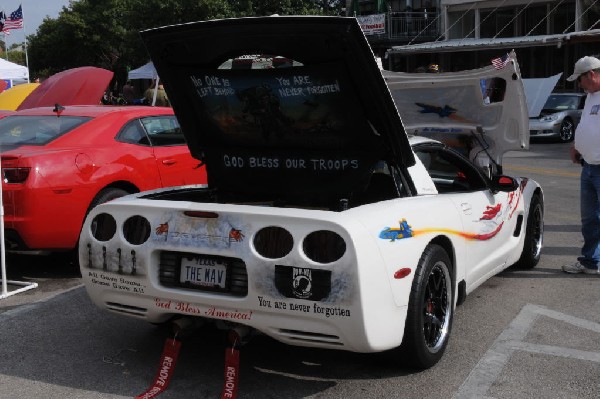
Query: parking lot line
{"points": [[489, 367]]}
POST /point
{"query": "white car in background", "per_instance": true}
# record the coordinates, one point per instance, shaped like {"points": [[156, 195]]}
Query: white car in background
{"points": [[322, 223]]}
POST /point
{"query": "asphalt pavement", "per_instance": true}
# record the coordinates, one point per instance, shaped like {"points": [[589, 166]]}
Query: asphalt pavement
{"points": [[522, 334]]}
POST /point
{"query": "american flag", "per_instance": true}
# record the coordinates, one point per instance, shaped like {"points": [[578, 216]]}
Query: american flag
{"points": [[15, 21], [501, 62]]}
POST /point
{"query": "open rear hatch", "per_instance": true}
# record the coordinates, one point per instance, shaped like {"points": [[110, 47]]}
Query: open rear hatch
{"points": [[481, 112], [275, 111]]}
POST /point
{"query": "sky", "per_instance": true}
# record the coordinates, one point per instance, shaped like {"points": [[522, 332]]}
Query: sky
{"points": [[34, 12]]}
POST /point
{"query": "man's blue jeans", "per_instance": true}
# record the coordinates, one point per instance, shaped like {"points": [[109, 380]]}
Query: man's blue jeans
{"points": [[590, 215]]}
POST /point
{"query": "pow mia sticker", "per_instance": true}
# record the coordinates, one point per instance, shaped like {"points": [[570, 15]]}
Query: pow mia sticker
{"points": [[302, 283]]}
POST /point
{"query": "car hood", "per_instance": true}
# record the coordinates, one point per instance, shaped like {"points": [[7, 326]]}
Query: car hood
{"points": [[11, 99], [76, 86], [279, 105], [545, 112], [457, 108]]}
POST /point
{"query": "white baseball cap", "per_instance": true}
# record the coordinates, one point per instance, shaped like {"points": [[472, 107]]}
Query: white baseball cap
{"points": [[584, 65]]}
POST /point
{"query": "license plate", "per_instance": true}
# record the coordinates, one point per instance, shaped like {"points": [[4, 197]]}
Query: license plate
{"points": [[203, 272]]}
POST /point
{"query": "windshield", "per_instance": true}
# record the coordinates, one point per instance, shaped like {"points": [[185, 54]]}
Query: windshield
{"points": [[36, 130], [561, 103], [259, 61]]}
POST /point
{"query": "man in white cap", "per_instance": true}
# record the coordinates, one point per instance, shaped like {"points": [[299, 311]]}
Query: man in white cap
{"points": [[586, 151]]}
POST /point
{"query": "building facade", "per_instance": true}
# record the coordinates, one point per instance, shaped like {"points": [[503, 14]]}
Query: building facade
{"points": [[547, 36], [404, 21]]}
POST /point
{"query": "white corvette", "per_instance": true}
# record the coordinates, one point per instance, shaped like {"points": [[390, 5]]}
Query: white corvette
{"points": [[319, 226]]}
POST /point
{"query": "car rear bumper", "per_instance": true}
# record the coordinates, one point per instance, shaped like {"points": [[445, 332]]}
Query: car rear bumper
{"points": [[13, 241], [144, 280], [288, 320]]}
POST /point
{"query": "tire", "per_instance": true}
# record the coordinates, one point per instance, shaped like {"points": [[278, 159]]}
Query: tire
{"points": [[430, 310], [534, 235], [106, 195], [567, 131]]}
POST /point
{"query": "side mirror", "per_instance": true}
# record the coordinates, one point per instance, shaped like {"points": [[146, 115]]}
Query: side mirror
{"points": [[504, 183]]}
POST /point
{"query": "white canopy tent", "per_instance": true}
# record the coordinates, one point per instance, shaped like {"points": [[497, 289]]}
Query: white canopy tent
{"points": [[10, 71], [146, 71]]}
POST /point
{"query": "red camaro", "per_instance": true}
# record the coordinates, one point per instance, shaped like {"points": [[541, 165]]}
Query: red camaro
{"points": [[59, 163]]}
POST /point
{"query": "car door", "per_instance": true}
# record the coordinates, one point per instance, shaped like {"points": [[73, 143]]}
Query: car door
{"points": [[175, 163], [487, 218]]}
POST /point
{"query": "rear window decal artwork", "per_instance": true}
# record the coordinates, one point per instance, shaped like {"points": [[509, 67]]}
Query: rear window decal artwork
{"points": [[439, 107], [443, 112], [272, 106]]}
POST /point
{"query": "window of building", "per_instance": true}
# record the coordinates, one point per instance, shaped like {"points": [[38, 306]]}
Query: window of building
{"points": [[534, 20], [461, 24], [563, 18], [591, 19], [497, 23]]}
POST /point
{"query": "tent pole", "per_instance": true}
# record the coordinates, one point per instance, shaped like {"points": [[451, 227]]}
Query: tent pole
{"points": [[25, 285], [155, 91], [25, 46], [4, 291]]}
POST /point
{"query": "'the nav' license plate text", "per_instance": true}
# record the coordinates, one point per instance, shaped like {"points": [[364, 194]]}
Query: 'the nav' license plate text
{"points": [[205, 272]]}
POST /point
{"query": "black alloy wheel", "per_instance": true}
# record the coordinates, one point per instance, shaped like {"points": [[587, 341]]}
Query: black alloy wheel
{"points": [[567, 131], [430, 310], [534, 235]]}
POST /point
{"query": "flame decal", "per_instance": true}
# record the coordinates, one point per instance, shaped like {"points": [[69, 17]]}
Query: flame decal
{"points": [[491, 212], [487, 220], [468, 236]]}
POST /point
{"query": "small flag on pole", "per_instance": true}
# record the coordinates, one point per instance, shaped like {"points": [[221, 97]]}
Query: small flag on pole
{"points": [[15, 21], [501, 62]]}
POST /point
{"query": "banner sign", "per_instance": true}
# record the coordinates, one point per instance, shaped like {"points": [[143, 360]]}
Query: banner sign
{"points": [[372, 24]]}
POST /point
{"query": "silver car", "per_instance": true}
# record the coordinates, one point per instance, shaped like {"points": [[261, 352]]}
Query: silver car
{"points": [[559, 117]]}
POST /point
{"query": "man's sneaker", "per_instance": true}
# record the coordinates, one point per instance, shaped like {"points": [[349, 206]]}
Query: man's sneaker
{"points": [[579, 268]]}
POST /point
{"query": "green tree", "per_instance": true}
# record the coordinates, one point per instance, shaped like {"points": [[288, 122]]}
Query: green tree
{"points": [[286, 7], [86, 33], [105, 33], [140, 15], [16, 53]]}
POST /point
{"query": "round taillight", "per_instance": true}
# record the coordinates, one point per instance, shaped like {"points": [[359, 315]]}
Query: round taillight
{"points": [[136, 230], [324, 246], [103, 227], [273, 242]]}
